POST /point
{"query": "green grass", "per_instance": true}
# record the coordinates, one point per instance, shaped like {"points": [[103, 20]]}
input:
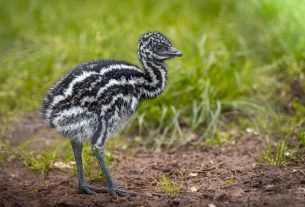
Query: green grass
{"points": [[171, 186], [60, 156], [5, 151], [301, 138], [229, 182], [41, 160], [34, 189], [241, 60], [277, 155]]}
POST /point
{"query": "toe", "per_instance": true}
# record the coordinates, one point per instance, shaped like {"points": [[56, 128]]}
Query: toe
{"points": [[113, 194], [86, 189], [125, 193], [98, 190]]}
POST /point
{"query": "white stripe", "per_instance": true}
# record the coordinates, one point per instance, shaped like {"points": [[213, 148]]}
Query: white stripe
{"points": [[85, 75], [74, 126], [68, 112], [100, 139], [88, 99], [122, 81], [108, 106]]}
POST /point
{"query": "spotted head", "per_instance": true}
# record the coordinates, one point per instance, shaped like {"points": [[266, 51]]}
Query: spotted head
{"points": [[157, 47]]}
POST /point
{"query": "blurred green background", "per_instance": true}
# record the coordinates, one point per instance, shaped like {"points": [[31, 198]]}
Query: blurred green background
{"points": [[242, 70]]}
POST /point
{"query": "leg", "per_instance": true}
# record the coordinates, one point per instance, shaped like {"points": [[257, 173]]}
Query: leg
{"points": [[114, 191], [83, 186]]}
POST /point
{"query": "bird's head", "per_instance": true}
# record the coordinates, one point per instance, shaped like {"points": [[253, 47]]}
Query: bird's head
{"points": [[156, 46]]}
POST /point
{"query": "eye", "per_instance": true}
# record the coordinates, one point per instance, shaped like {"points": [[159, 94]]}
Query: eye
{"points": [[160, 48]]}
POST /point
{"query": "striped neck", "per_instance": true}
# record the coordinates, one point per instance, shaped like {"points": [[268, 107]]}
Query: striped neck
{"points": [[155, 76]]}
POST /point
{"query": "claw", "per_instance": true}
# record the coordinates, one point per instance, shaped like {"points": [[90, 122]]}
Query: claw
{"points": [[125, 193], [98, 190], [115, 192], [86, 189], [91, 190]]}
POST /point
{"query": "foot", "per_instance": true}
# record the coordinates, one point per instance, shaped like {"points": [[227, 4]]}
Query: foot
{"points": [[116, 192], [91, 190]]}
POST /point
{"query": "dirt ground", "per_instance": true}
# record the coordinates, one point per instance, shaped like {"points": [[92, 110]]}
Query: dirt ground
{"points": [[220, 176]]}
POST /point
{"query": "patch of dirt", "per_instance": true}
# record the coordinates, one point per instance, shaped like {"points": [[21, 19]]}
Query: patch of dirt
{"points": [[222, 176]]}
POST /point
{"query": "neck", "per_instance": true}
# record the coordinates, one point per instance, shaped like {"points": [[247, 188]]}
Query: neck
{"points": [[155, 76]]}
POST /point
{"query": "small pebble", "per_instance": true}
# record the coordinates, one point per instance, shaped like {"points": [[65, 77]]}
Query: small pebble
{"points": [[269, 187], [301, 189], [176, 201], [193, 189]]}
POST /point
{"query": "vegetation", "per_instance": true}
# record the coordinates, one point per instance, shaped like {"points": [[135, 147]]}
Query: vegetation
{"points": [[301, 138], [277, 155], [47, 158], [4, 151], [42, 161], [171, 185], [35, 189], [243, 65]]}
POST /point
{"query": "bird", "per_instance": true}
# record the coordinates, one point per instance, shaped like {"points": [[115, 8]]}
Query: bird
{"points": [[94, 101]]}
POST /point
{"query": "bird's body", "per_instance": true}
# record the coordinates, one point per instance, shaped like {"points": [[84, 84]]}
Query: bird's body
{"points": [[100, 91], [96, 99]]}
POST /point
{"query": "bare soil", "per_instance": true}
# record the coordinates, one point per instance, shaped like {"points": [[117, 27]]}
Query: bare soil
{"points": [[221, 176]]}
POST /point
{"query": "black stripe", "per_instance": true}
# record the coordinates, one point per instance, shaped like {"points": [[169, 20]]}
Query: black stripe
{"points": [[63, 84]]}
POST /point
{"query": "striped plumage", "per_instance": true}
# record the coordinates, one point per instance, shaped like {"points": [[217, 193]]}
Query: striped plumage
{"points": [[96, 99]]}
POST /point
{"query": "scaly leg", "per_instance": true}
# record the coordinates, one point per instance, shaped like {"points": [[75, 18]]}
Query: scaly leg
{"points": [[83, 186], [113, 189]]}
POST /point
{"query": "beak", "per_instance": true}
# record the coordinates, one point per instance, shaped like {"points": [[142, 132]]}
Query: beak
{"points": [[174, 52]]}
